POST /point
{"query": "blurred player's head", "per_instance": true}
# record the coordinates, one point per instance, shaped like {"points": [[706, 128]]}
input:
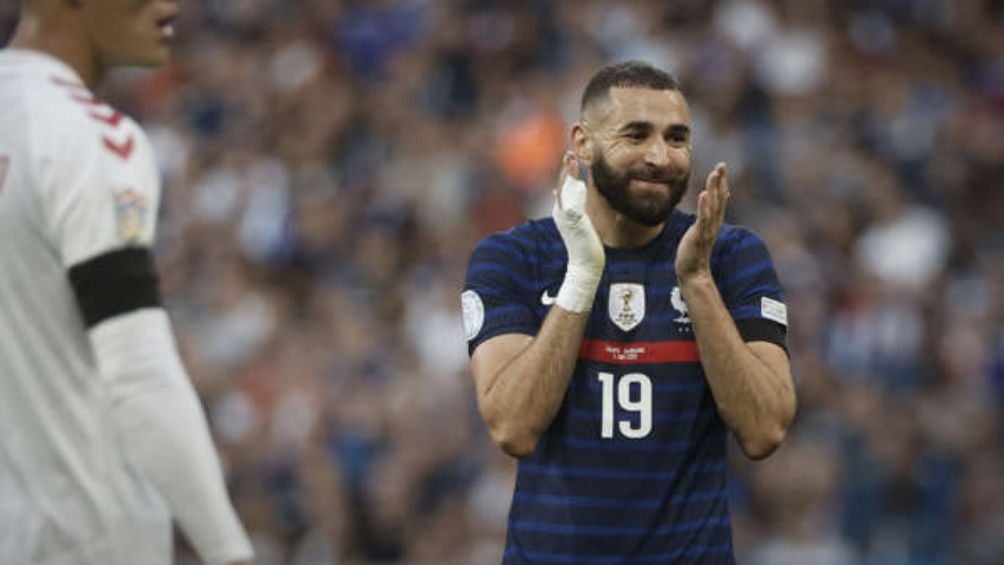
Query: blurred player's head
{"points": [[96, 35], [635, 137]]}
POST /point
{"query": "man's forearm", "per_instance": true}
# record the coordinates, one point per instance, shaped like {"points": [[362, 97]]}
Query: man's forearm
{"points": [[755, 401], [522, 381], [164, 432], [522, 399]]}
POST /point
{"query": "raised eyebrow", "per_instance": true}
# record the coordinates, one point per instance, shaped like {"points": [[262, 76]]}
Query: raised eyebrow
{"points": [[637, 125], [674, 129]]}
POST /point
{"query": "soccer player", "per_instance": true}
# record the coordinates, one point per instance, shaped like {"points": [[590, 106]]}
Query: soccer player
{"points": [[615, 344], [102, 438]]}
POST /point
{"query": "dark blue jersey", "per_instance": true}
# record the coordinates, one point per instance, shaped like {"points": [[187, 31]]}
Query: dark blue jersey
{"points": [[632, 469]]}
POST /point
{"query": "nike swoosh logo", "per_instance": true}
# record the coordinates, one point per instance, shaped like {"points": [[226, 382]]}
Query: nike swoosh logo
{"points": [[546, 299]]}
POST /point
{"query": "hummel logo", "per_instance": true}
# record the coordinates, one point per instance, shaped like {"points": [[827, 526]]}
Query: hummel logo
{"points": [[112, 119], [123, 150], [546, 299]]}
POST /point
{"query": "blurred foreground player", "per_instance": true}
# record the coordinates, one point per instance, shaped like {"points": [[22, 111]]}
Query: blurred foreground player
{"points": [[102, 438], [616, 343]]}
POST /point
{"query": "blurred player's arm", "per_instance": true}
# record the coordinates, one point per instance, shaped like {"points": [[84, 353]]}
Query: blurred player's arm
{"points": [[152, 402], [751, 382], [103, 212], [521, 380]]}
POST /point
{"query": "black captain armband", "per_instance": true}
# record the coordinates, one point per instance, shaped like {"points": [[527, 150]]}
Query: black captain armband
{"points": [[115, 283], [758, 329]]}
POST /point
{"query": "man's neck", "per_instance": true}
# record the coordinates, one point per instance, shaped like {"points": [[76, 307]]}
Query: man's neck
{"points": [[59, 39], [614, 228]]}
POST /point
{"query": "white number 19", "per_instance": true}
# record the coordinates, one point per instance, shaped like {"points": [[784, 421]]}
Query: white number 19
{"points": [[642, 405]]}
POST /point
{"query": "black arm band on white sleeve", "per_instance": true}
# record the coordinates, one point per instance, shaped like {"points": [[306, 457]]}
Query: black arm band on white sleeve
{"points": [[115, 283], [763, 330]]}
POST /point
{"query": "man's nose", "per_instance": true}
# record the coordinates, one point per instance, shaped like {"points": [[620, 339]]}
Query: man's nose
{"points": [[657, 153]]}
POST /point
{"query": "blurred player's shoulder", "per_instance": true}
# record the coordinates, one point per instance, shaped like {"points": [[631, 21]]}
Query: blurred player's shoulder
{"points": [[59, 115], [46, 95], [70, 142]]}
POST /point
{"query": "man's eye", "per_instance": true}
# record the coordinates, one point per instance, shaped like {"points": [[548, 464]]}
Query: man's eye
{"points": [[637, 136]]}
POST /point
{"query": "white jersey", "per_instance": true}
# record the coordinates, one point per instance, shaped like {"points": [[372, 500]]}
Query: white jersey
{"points": [[77, 180]]}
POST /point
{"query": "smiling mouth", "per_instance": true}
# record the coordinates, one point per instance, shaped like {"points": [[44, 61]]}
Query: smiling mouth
{"points": [[651, 184]]}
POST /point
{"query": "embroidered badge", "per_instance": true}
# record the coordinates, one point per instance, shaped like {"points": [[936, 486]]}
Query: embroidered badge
{"points": [[130, 215], [626, 305]]}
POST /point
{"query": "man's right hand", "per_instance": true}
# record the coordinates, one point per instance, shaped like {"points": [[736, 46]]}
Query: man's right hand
{"points": [[586, 257]]}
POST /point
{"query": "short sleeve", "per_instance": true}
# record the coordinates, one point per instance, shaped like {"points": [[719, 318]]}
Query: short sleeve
{"points": [[105, 198], [498, 293], [749, 286]]}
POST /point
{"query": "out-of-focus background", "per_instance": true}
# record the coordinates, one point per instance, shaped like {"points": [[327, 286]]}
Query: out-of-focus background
{"points": [[328, 167]]}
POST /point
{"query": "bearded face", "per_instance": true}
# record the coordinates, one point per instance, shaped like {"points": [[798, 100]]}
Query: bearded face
{"points": [[649, 205]]}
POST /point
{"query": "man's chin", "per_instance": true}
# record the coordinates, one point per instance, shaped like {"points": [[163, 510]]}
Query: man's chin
{"points": [[655, 211], [649, 214], [650, 219]]}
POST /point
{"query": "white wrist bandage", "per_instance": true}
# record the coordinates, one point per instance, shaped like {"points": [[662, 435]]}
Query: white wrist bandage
{"points": [[578, 290], [586, 257]]}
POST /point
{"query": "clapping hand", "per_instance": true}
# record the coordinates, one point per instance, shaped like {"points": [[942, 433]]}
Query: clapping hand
{"points": [[693, 256]]}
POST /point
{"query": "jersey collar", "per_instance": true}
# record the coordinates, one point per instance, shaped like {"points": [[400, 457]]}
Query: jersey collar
{"points": [[672, 230], [46, 64]]}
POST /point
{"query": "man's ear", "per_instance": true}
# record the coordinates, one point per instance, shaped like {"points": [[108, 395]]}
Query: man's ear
{"points": [[583, 143]]}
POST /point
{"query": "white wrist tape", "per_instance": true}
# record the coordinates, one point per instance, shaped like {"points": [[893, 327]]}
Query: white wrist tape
{"points": [[586, 257], [578, 290]]}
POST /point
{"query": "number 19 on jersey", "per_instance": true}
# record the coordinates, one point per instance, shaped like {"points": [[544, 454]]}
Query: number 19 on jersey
{"points": [[633, 393]]}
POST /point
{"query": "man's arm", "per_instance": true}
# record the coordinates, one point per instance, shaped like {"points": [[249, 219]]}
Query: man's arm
{"points": [[152, 405], [751, 382], [104, 234], [163, 430], [521, 380]]}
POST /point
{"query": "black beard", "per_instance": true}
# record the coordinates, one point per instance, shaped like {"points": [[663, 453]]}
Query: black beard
{"points": [[648, 212]]}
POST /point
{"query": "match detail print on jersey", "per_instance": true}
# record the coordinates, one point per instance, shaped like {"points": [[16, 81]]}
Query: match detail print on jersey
{"points": [[616, 353]]}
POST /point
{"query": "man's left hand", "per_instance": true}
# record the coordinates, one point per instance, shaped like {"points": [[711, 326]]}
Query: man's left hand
{"points": [[693, 256]]}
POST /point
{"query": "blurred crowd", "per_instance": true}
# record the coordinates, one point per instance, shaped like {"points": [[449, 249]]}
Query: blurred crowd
{"points": [[328, 166]]}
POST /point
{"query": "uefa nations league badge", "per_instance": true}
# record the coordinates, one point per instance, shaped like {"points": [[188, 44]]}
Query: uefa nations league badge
{"points": [[130, 215]]}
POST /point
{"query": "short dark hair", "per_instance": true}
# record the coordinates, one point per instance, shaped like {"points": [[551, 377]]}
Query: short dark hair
{"points": [[626, 74]]}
